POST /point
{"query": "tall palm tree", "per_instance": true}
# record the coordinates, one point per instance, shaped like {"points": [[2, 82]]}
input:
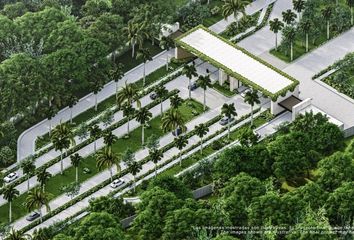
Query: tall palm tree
{"points": [[180, 142], [289, 33], [305, 27], [97, 79], [28, 168], [252, 98], [128, 94], [36, 199], [155, 155], [128, 111], [143, 116], [50, 114], [289, 16], [9, 194], [17, 235], [327, 12], [136, 34], [204, 82], [351, 5], [107, 159], [43, 177], [75, 161], [190, 71], [234, 7], [167, 43], [228, 110], [276, 26], [161, 93], [201, 130], [172, 120], [95, 133], [176, 101], [62, 138], [117, 74], [144, 55], [109, 139], [299, 5], [72, 101], [134, 168]]}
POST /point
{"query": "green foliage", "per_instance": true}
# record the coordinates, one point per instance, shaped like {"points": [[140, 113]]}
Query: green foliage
{"points": [[171, 184], [114, 206]]}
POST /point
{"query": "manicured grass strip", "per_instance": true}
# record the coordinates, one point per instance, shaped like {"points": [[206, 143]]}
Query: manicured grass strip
{"points": [[224, 89]]}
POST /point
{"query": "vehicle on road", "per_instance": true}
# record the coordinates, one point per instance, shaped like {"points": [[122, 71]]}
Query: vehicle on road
{"points": [[177, 132], [32, 216], [116, 183], [11, 177], [153, 96], [225, 120], [193, 86]]}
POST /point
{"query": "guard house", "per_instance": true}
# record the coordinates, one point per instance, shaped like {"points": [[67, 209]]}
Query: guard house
{"points": [[237, 66]]}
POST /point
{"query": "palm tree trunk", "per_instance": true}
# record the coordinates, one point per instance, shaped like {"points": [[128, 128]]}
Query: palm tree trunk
{"points": [[50, 127], [190, 91], [116, 90], [94, 146], [96, 102], [134, 183], [111, 172], [161, 107], [251, 115], [61, 162], [204, 102], [352, 14], [155, 170], [77, 174], [133, 50], [276, 42], [142, 134], [10, 211], [228, 130], [167, 59], [28, 184], [180, 157], [40, 213], [327, 30], [201, 145], [144, 75], [291, 51], [307, 42], [128, 125]]}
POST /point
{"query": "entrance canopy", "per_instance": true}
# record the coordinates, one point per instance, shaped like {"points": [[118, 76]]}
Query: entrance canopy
{"points": [[290, 102], [236, 62]]}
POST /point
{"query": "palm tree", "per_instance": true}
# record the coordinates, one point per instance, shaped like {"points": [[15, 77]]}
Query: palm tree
{"points": [[180, 142], [172, 120], [155, 155], [97, 79], [62, 138], [327, 14], [276, 26], [190, 71], [128, 111], [228, 110], [252, 98], [109, 139], [9, 194], [351, 5], [127, 156], [17, 235], [167, 43], [234, 7], [136, 34], [143, 116], [299, 5], [176, 101], [75, 161], [116, 74], [134, 168], [28, 168], [128, 94], [107, 159], [204, 82], [201, 130], [43, 177], [50, 114], [290, 34], [36, 199], [289, 16], [95, 133], [72, 101], [144, 55], [306, 26], [161, 93]]}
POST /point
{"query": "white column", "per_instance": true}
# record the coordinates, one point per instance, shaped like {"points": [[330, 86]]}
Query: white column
{"points": [[222, 77]]}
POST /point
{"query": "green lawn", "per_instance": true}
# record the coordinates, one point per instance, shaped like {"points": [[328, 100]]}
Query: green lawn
{"points": [[224, 89], [216, 18], [110, 102], [189, 109]]}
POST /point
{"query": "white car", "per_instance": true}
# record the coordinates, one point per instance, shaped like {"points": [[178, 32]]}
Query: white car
{"points": [[116, 183], [11, 177]]}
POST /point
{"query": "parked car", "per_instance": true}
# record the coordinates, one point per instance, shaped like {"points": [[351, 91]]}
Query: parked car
{"points": [[177, 132], [11, 177], [32, 216], [193, 86], [153, 96], [225, 120], [116, 183], [243, 94]]}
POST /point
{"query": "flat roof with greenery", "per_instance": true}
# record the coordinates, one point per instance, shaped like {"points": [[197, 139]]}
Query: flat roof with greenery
{"points": [[236, 62]]}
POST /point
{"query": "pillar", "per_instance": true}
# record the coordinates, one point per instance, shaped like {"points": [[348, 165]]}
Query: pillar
{"points": [[222, 77]]}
